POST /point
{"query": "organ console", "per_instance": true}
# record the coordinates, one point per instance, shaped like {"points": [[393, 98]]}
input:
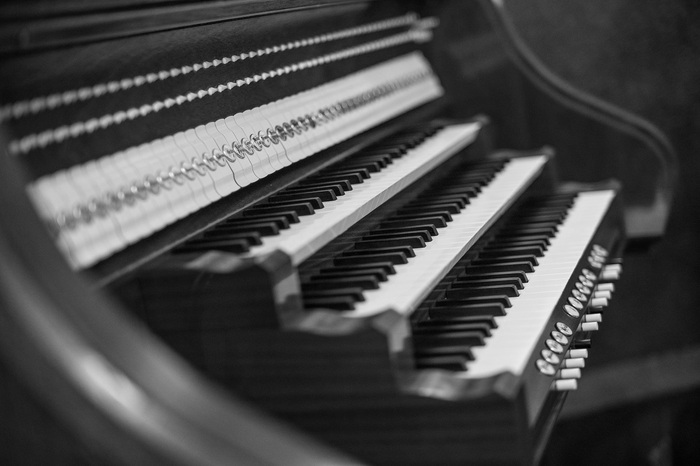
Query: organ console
{"points": [[302, 232]]}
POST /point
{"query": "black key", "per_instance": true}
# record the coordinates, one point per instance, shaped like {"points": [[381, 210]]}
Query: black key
{"points": [[544, 209], [252, 237], [371, 167], [520, 275], [431, 208], [336, 188], [322, 194], [498, 299], [535, 217], [340, 303], [479, 178], [315, 202], [515, 242], [406, 251], [454, 199], [393, 152], [366, 282], [423, 235], [438, 222], [413, 241], [262, 228], [468, 310], [554, 201], [344, 184], [353, 292], [466, 338], [483, 329], [289, 216], [463, 282], [487, 320], [392, 258], [553, 213], [531, 228], [536, 251], [404, 140], [483, 261], [280, 222], [379, 270], [302, 208], [471, 191], [474, 291], [428, 351], [530, 223], [452, 362], [383, 160], [527, 231], [430, 229], [235, 246], [349, 178], [350, 174], [501, 267], [506, 236], [446, 216]]}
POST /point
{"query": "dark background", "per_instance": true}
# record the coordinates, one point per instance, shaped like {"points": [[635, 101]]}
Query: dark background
{"points": [[639, 398]]}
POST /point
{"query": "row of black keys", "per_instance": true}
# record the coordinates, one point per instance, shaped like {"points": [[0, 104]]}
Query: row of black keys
{"points": [[339, 282], [238, 234], [463, 315]]}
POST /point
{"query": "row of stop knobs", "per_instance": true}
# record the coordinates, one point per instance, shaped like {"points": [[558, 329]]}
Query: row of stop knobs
{"points": [[575, 358]]}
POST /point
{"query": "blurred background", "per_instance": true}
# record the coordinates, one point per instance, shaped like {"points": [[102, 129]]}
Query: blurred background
{"points": [[639, 401]]}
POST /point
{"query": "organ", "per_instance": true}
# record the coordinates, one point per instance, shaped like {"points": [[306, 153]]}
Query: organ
{"points": [[384, 225]]}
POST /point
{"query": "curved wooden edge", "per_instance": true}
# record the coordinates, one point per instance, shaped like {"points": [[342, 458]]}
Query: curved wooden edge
{"points": [[106, 377], [641, 224]]}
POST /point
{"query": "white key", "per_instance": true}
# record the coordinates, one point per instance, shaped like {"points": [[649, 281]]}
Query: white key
{"points": [[193, 147], [414, 281], [515, 339], [223, 178], [268, 111], [102, 236], [53, 197], [157, 207], [203, 192], [240, 169], [138, 224], [235, 134], [307, 139], [294, 144], [274, 151], [181, 199], [261, 162]]}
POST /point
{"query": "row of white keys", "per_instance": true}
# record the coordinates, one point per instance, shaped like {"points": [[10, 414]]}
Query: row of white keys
{"points": [[313, 232], [46, 209], [413, 281], [518, 332]]}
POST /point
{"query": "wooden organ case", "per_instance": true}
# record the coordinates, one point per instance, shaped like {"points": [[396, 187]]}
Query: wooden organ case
{"points": [[302, 232]]}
